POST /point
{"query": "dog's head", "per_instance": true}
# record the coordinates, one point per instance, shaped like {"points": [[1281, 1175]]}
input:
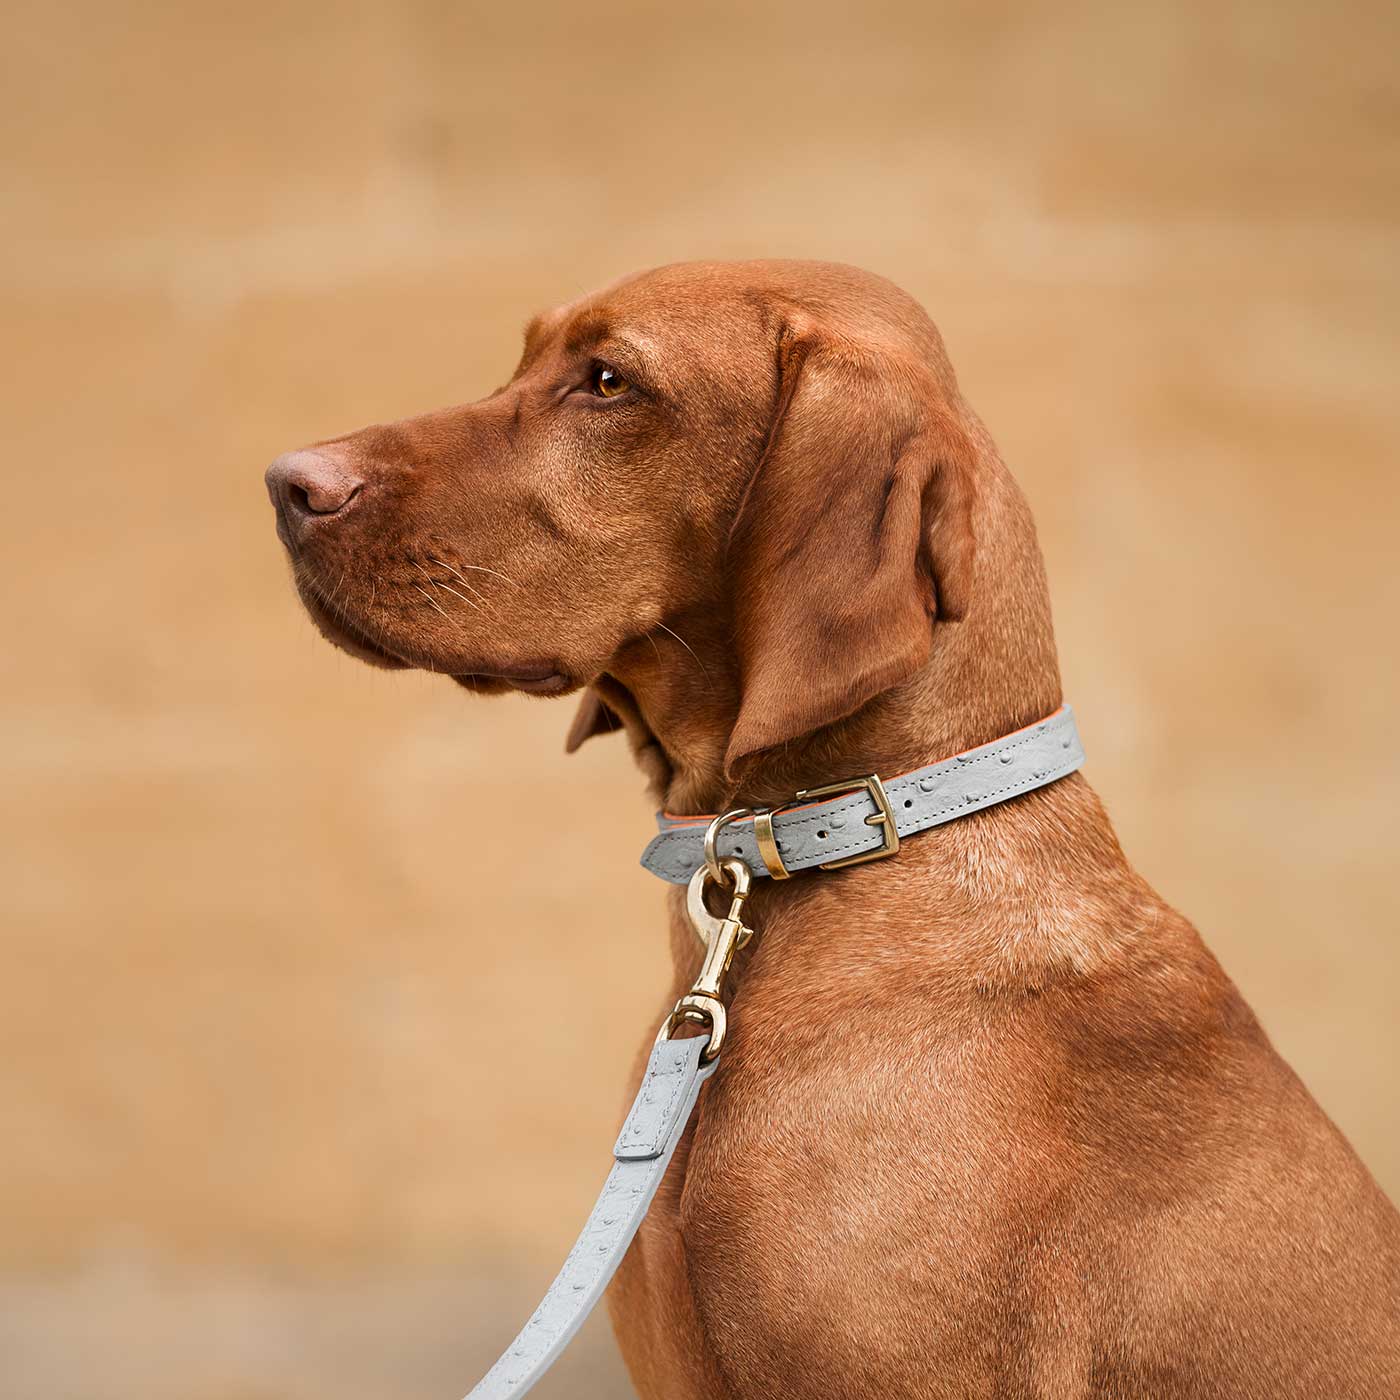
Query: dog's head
{"points": [[776, 448]]}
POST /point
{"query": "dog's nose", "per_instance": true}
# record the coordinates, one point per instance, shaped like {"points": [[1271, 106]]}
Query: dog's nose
{"points": [[309, 485]]}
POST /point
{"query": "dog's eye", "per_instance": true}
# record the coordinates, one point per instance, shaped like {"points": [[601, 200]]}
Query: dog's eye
{"points": [[608, 383]]}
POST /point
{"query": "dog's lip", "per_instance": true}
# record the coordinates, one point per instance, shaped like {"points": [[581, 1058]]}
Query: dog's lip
{"points": [[345, 635], [536, 680]]}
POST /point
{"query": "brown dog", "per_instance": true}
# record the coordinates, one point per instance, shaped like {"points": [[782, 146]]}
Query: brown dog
{"points": [[990, 1121]]}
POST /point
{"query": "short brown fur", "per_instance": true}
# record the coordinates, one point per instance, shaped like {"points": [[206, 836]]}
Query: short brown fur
{"points": [[991, 1121]]}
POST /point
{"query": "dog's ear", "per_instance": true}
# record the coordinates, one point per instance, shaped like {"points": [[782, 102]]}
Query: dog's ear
{"points": [[592, 717], [855, 532]]}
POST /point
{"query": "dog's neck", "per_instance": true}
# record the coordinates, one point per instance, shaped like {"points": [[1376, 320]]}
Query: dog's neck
{"points": [[999, 906], [1071, 899], [1047, 866]]}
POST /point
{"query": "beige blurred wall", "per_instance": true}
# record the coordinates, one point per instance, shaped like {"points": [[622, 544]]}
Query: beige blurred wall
{"points": [[284, 1014]]}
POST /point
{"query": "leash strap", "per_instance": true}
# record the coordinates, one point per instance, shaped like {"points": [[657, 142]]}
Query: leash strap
{"points": [[856, 826], [641, 1155]]}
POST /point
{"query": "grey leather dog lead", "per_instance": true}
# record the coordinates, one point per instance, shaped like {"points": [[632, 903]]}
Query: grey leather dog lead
{"points": [[851, 826], [654, 1126], [867, 820]]}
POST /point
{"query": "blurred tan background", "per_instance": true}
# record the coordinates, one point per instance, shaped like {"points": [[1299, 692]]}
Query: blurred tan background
{"points": [[282, 1018]]}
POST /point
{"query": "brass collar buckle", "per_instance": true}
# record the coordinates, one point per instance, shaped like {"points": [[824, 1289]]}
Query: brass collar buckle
{"points": [[882, 817]]}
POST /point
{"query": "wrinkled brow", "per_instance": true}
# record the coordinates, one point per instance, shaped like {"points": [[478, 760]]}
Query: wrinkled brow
{"points": [[538, 330], [591, 332], [586, 333]]}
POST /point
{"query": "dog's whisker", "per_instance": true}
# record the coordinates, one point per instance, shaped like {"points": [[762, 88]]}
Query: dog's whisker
{"points": [[703, 670], [476, 569], [447, 587], [335, 592], [432, 600], [443, 564]]}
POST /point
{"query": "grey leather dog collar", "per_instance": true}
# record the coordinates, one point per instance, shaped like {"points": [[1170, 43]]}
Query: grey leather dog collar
{"points": [[643, 1150], [857, 825]]}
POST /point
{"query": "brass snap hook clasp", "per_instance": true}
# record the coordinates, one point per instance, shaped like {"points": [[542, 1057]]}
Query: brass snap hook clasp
{"points": [[735, 877], [703, 1004]]}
